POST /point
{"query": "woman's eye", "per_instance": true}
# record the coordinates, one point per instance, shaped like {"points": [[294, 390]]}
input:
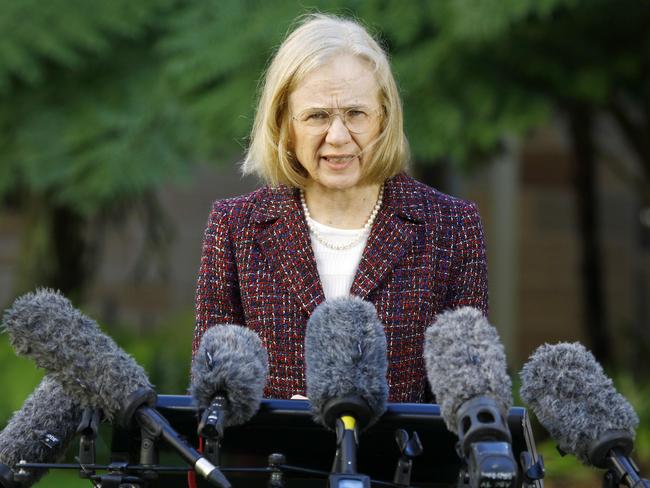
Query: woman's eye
{"points": [[356, 114], [318, 116]]}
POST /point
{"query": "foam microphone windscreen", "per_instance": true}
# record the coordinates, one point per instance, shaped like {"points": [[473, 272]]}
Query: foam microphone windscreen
{"points": [[345, 355], [42, 429], [573, 399], [45, 327], [232, 362], [90, 366], [465, 359]]}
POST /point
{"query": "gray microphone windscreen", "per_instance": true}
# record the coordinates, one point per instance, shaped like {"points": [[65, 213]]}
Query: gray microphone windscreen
{"points": [[465, 359], [230, 361], [45, 327], [572, 398], [42, 429], [345, 355]]}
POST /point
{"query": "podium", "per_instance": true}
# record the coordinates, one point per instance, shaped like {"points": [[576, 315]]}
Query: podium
{"points": [[287, 427]]}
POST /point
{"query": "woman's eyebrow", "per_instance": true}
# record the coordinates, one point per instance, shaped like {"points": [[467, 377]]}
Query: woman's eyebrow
{"points": [[344, 107]]}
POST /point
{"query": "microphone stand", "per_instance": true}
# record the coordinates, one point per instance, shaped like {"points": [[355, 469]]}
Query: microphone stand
{"points": [[347, 442], [153, 426], [611, 451], [276, 479], [622, 470], [346, 414]]}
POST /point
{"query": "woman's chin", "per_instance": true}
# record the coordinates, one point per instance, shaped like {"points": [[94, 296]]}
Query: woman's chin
{"points": [[338, 184], [338, 176]]}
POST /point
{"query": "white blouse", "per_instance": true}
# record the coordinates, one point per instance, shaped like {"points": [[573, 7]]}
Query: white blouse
{"points": [[337, 267]]}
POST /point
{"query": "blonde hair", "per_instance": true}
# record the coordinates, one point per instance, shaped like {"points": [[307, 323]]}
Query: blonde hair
{"points": [[315, 41]]}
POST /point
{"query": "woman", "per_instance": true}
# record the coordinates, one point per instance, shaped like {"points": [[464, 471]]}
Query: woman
{"points": [[338, 217]]}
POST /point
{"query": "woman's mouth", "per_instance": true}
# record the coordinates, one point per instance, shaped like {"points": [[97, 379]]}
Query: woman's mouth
{"points": [[339, 161]]}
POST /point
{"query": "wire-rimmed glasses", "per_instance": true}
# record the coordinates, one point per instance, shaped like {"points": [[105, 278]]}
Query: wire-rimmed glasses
{"points": [[317, 121]]}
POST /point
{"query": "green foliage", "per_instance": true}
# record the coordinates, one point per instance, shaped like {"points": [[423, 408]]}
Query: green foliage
{"points": [[565, 470], [102, 105], [19, 378], [107, 103], [66, 33], [484, 21], [101, 148], [163, 351], [88, 125], [587, 53], [63, 479], [638, 394]]}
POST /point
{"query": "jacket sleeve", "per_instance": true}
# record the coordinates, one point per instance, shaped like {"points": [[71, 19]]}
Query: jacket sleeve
{"points": [[217, 290], [468, 280]]}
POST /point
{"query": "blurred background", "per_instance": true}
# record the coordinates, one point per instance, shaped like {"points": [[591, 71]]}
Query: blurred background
{"points": [[121, 122]]}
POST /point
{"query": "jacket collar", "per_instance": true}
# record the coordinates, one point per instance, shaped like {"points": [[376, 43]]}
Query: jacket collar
{"points": [[400, 198]]}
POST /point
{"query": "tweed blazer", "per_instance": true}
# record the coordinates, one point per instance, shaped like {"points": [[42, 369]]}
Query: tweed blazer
{"points": [[425, 254]]}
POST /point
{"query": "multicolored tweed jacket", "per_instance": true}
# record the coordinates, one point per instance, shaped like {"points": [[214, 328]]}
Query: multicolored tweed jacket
{"points": [[425, 254]]}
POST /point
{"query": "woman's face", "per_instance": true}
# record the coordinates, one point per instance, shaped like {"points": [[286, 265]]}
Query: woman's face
{"points": [[334, 159]]}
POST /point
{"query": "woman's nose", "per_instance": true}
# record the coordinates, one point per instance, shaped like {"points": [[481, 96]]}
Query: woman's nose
{"points": [[337, 133]]}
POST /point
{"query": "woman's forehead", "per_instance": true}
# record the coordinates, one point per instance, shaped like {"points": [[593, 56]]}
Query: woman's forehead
{"points": [[343, 81]]}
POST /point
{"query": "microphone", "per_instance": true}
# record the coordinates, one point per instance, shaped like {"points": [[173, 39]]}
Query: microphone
{"points": [[91, 367], [466, 368], [346, 364], [578, 405], [37, 433], [228, 378]]}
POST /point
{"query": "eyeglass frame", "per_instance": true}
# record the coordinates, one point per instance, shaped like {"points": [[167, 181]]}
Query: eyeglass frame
{"points": [[337, 112]]}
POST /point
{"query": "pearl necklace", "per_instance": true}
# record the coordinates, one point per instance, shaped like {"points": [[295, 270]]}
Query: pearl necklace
{"points": [[356, 240]]}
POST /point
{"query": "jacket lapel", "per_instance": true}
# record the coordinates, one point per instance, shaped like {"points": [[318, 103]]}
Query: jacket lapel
{"points": [[391, 238], [283, 238]]}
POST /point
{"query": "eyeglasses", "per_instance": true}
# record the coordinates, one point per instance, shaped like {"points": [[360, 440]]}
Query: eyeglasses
{"points": [[317, 121]]}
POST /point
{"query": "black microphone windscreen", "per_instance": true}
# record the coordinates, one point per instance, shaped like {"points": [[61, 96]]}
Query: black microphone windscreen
{"points": [[45, 327], [573, 399], [465, 359], [345, 355], [42, 429], [230, 361]]}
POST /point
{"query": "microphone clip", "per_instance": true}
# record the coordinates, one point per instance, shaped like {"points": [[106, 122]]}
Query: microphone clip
{"points": [[532, 470], [87, 430], [211, 428], [211, 425], [481, 419], [276, 479], [484, 441], [409, 448]]}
